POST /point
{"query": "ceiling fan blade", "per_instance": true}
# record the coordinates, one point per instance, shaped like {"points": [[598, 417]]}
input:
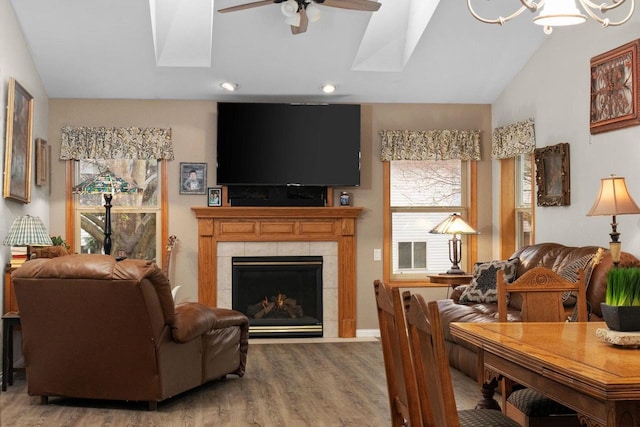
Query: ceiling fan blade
{"points": [[366, 5], [304, 22], [246, 6]]}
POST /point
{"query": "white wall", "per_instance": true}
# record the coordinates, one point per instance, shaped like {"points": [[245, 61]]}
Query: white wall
{"points": [[554, 90], [16, 62]]}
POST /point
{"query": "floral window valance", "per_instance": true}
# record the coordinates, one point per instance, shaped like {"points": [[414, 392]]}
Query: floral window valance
{"points": [[115, 143], [513, 140], [430, 145]]}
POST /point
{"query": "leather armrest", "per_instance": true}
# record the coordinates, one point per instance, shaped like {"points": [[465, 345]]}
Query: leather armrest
{"points": [[191, 320], [226, 318], [457, 293]]}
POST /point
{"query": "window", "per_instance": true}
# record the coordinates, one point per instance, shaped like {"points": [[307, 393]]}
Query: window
{"points": [[412, 255], [523, 200], [136, 218], [422, 193]]}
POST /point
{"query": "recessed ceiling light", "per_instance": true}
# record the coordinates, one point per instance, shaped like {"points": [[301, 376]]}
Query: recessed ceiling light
{"points": [[231, 87], [328, 88]]}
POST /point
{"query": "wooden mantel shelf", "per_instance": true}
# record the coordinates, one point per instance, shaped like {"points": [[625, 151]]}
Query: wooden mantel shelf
{"points": [[262, 224], [276, 212]]}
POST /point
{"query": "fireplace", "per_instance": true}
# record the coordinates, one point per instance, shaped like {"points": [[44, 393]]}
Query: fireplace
{"points": [[224, 232], [281, 295]]}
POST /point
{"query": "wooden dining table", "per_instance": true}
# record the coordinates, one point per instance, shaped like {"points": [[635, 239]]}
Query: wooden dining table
{"points": [[566, 362]]}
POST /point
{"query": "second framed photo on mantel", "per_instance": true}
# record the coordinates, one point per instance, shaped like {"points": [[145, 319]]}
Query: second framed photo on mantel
{"points": [[214, 196]]}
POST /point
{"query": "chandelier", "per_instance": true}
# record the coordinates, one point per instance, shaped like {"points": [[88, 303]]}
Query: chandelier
{"points": [[558, 13]]}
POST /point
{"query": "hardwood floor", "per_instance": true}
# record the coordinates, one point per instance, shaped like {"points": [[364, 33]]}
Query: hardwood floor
{"points": [[300, 384]]}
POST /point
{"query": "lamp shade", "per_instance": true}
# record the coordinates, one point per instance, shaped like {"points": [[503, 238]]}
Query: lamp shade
{"points": [[289, 8], [613, 198], [559, 13], [105, 182], [453, 224], [27, 230], [313, 12]]}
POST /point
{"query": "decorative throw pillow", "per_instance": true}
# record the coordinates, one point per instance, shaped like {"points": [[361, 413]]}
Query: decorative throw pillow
{"points": [[571, 273], [483, 283]]}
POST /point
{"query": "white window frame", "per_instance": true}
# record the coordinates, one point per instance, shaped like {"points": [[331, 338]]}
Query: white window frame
{"points": [[523, 206], [79, 209], [463, 210]]}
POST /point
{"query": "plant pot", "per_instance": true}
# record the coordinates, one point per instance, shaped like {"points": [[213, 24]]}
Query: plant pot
{"points": [[621, 318]]}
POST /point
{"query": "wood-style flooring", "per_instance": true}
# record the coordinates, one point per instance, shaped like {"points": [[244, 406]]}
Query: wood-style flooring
{"points": [[286, 384]]}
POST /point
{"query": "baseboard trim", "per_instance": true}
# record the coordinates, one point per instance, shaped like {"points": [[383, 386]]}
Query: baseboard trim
{"points": [[375, 333]]}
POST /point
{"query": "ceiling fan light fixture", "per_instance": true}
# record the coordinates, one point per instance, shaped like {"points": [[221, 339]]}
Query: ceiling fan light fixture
{"points": [[313, 12], [228, 86], [328, 88], [289, 8], [293, 20]]}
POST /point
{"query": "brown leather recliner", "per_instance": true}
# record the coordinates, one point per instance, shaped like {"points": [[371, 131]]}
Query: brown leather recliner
{"points": [[98, 328]]}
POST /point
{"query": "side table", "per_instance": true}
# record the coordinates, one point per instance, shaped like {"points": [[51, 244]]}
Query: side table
{"points": [[450, 279], [9, 322]]}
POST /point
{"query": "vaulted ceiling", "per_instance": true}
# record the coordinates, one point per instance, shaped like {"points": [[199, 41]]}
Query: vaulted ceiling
{"points": [[426, 51]]}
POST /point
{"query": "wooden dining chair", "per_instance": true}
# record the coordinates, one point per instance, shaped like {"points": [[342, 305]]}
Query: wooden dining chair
{"points": [[401, 384], [433, 378], [541, 291]]}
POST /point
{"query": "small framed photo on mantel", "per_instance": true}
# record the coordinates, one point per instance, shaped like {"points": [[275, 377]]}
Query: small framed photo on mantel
{"points": [[214, 196]]}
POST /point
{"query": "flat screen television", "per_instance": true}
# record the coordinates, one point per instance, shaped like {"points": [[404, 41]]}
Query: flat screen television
{"points": [[288, 144]]}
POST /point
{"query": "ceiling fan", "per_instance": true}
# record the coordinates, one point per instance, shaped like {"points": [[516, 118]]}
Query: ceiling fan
{"points": [[298, 13]]}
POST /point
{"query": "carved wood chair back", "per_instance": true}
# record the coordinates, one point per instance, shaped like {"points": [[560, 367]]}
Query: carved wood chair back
{"points": [[431, 364], [541, 290], [401, 382]]}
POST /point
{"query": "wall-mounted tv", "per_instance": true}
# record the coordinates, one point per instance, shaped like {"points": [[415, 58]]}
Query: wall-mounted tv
{"points": [[288, 144]]}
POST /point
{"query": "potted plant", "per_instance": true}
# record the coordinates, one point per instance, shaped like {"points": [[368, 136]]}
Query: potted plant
{"points": [[59, 241], [621, 311]]}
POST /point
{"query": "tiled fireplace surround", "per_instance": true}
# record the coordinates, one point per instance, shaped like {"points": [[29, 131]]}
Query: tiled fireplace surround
{"points": [[330, 232], [328, 251]]}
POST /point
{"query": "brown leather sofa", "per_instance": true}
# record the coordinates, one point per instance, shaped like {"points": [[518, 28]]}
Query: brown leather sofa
{"points": [[463, 356], [98, 328]]}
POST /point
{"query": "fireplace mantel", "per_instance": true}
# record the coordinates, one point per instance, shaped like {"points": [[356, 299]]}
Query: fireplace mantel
{"points": [[262, 224]]}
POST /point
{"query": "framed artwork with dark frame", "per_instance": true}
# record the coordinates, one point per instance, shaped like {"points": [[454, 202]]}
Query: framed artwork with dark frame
{"points": [[214, 196], [42, 162], [553, 175], [614, 89], [193, 178], [17, 157]]}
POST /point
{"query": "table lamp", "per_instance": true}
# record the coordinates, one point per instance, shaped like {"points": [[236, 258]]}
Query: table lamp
{"points": [[455, 225], [27, 231], [614, 199], [106, 183]]}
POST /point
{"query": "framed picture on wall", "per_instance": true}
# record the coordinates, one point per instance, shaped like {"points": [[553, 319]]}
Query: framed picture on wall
{"points": [[614, 89], [42, 162], [214, 196], [193, 178], [552, 175], [17, 157]]}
